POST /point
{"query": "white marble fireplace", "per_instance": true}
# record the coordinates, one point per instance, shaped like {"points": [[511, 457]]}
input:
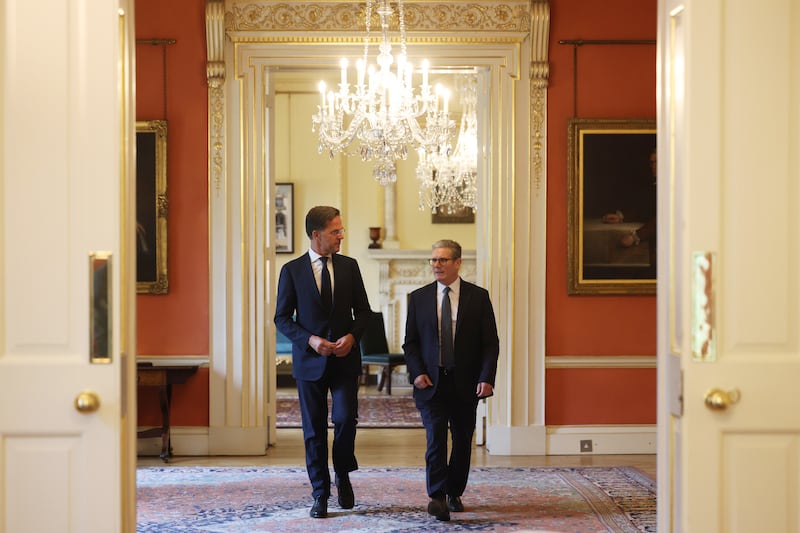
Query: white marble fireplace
{"points": [[401, 272]]}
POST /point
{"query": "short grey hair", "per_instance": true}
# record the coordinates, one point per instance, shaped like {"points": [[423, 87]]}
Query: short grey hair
{"points": [[452, 245]]}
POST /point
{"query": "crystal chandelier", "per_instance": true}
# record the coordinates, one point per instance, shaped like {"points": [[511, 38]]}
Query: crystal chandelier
{"points": [[448, 180], [383, 113]]}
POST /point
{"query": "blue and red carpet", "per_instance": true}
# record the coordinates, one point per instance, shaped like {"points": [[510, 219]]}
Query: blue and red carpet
{"points": [[498, 499], [374, 411]]}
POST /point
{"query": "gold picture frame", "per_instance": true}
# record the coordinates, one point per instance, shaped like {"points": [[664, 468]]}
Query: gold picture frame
{"points": [[152, 207], [611, 206]]}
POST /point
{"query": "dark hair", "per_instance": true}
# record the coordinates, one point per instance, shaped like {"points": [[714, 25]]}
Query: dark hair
{"points": [[452, 245], [318, 218]]}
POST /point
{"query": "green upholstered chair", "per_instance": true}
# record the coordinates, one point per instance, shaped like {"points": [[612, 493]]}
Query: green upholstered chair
{"points": [[375, 351]]}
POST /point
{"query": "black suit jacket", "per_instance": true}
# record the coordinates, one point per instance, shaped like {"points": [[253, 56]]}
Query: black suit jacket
{"points": [[299, 314], [476, 343]]}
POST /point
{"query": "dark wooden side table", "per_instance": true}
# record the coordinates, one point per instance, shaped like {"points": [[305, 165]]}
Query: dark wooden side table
{"points": [[163, 377]]}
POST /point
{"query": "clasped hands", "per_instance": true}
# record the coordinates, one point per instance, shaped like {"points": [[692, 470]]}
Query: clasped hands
{"points": [[340, 348]]}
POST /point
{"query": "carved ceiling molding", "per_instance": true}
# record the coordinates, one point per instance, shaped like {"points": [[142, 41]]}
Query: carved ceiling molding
{"points": [[475, 17]]}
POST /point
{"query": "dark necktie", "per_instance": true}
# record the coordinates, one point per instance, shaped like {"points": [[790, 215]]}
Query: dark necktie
{"points": [[448, 356], [325, 290]]}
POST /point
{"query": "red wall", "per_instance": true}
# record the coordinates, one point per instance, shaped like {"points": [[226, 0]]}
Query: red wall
{"points": [[613, 81], [177, 323]]}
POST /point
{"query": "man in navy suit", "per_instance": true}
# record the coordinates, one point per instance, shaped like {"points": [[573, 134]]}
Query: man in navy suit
{"points": [[323, 309], [452, 363]]}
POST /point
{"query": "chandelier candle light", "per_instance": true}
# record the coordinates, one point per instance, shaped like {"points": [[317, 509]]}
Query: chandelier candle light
{"points": [[383, 112], [448, 179]]}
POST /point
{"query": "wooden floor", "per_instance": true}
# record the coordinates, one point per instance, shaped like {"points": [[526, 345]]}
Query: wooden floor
{"points": [[379, 447]]}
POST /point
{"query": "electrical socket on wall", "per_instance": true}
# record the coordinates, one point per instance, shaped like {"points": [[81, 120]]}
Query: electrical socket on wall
{"points": [[586, 445]]}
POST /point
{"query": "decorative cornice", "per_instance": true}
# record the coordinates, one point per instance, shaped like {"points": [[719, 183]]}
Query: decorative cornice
{"points": [[420, 16], [215, 41], [540, 39]]}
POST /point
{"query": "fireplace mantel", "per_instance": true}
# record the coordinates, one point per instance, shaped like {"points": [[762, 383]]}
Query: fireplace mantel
{"points": [[400, 273]]}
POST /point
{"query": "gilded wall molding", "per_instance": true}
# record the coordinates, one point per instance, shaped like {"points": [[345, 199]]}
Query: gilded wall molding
{"points": [[457, 17], [215, 74], [540, 71]]}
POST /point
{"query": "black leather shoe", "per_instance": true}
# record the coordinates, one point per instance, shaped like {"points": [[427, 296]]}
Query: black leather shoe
{"points": [[320, 507], [345, 491], [454, 504], [438, 508]]}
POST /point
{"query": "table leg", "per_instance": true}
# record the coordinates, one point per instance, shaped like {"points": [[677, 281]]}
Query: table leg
{"points": [[164, 399]]}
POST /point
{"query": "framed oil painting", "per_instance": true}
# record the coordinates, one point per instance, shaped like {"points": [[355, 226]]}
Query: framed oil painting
{"points": [[284, 218], [611, 223], [152, 207]]}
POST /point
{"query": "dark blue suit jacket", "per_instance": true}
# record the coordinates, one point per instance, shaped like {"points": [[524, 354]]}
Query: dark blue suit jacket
{"points": [[299, 314], [476, 343]]}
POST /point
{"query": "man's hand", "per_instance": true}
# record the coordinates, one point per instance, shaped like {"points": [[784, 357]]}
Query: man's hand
{"points": [[484, 390], [343, 346], [423, 381], [322, 346], [613, 218]]}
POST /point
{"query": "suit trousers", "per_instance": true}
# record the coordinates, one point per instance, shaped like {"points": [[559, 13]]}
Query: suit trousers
{"points": [[446, 410], [313, 396]]}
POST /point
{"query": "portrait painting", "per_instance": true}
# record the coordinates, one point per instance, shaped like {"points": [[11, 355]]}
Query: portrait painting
{"points": [[152, 207], [612, 206]]}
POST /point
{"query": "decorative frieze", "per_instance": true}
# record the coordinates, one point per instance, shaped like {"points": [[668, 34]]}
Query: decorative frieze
{"points": [[464, 19]]}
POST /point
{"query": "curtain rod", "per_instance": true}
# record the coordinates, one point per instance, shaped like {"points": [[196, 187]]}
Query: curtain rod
{"points": [[581, 42], [155, 42], [163, 43]]}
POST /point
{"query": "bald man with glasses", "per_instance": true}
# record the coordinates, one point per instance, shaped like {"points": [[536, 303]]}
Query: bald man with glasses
{"points": [[451, 349]]}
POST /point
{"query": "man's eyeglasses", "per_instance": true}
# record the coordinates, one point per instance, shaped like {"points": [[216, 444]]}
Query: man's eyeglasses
{"points": [[439, 260], [337, 232]]}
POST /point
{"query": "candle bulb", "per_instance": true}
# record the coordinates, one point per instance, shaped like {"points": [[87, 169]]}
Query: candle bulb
{"points": [[360, 68], [401, 66], [446, 95], [321, 87]]}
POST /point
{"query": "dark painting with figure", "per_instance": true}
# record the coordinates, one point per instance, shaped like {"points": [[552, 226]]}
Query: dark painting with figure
{"points": [[613, 206], [152, 207], [145, 206], [619, 213]]}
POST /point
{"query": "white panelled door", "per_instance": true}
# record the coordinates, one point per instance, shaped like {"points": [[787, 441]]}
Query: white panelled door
{"points": [[64, 125], [729, 281]]}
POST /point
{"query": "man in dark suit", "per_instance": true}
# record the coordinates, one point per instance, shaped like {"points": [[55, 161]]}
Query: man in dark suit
{"points": [[322, 308], [451, 350]]}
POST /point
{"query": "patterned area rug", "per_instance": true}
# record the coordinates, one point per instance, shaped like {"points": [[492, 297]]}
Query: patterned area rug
{"points": [[374, 411], [243, 499]]}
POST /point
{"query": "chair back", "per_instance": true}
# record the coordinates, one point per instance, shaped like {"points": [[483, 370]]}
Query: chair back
{"points": [[374, 339]]}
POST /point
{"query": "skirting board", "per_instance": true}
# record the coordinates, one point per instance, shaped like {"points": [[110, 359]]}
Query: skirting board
{"points": [[602, 440], [561, 440], [189, 441]]}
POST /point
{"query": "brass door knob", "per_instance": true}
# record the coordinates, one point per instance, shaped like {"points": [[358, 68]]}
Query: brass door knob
{"points": [[87, 402], [719, 400]]}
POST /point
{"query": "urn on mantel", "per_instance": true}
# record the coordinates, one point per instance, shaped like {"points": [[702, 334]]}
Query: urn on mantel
{"points": [[375, 236]]}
